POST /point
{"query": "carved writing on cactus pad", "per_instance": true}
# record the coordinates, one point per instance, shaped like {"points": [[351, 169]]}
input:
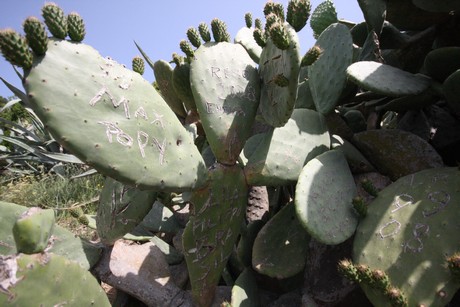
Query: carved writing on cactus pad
{"points": [[233, 89], [420, 230], [214, 108]]}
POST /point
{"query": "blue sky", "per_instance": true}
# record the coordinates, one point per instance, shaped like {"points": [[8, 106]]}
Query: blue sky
{"points": [[157, 26]]}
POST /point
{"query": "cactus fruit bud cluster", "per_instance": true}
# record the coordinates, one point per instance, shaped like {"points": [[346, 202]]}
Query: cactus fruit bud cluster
{"points": [[77, 212], [376, 279], [138, 65], [36, 35], [279, 35], [298, 12], [219, 31], [55, 20], [15, 49], [76, 27]]}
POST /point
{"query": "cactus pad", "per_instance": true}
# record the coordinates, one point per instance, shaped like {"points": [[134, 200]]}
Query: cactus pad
{"points": [[386, 80], [121, 208], [277, 103], [328, 73], [410, 230], [225, 85], [322, 17], [323, 198], [211, 233], [280, 155], [48, 280], [280, 248], [111, 118]]}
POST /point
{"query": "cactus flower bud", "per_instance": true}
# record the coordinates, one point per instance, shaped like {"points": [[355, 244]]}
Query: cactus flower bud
{"points": [[36, 35], [369, 187], [396, 297], [194, 37], [204, 32], [55, 20], [258, 24], [76, 27], [348, 270], [15, 49], [219, 31], [259, 37], [138, 65], [380, 280], [298, 12]]}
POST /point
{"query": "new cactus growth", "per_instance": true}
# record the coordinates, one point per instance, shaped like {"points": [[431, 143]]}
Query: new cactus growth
{"points": [[311, 56], [454, 265], [15, 49], [204, 32], [33, 229], [194, 37], [298, 12], [219, 31], [36, 35], [55, 20], [76, 27]]}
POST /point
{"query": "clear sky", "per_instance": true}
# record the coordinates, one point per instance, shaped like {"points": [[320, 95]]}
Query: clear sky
{"points": [[157, 26]]}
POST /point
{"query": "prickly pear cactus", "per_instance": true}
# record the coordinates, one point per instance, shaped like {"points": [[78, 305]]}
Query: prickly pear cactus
{"points": [[211, 233], [323, 198], [410, 230], [277, 99], [62, 242], [47, 279], [226, 93], [111, 118], [121, 208], [280, 248]]}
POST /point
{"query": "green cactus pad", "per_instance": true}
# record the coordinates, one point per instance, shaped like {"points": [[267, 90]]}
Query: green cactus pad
{"points": [[442, 62], [33, 229], [357, 162], [277, 103], [328, 73], [211, 233], [323, 198], [245, 292], [386, 80], [36, 35], [159, 219], [396, 153], [225, 85], [63, 241], [121, 208], [111, 118], [410, 229], [181, 85], [280, 248], [322, 17], [163, 75], [245, 37], [48, 280], [281, 154], [451, 89], [374, 13], [438, 6]]}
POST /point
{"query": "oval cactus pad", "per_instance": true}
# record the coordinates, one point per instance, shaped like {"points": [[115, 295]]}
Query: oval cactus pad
{"points": [[111, 118], [324, 196]]}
